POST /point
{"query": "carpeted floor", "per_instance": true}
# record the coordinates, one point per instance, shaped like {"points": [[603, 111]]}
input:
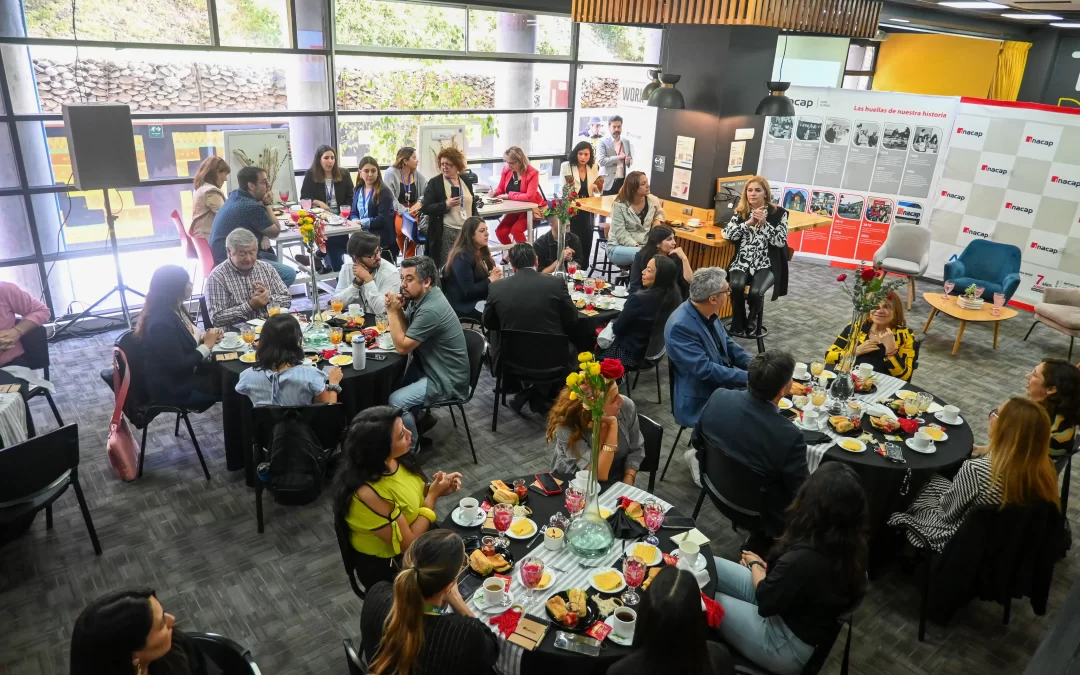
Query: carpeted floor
{"points": [[284, 593]]}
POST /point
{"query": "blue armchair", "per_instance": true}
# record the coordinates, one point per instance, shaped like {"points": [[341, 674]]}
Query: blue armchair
{"points": [[994, 266]]}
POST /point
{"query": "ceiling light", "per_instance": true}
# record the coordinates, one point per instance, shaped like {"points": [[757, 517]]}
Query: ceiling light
{"points": [[900, 20], [977, 4], [1066, 25], [1031, 17]]}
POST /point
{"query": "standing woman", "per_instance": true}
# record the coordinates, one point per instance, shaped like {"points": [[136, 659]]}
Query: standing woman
{"points": [[209, 195], [448, 201], [407, 185], [470, 269], [373, 205], [580, 170], [329, 187], [520, 182], [759, 230], [633, 213]]}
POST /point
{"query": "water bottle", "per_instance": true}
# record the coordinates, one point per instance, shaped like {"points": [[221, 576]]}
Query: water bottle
{"points": [[359, 352]]}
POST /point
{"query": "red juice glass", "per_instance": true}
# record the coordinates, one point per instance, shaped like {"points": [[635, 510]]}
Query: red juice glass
{"points": [[346, 211], [633, 573], [575, 500], [503, 515], [532, 572], [654, 519]]}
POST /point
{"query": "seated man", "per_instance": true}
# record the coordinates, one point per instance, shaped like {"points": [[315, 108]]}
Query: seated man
{"points": [[248, 207], [748, 427], [20, 313], [547, 254], [240, 288], [533, 302], [430, 328], [371, 276]]}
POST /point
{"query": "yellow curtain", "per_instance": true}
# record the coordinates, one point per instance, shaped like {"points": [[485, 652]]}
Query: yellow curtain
{"points": [[1010, 70]]}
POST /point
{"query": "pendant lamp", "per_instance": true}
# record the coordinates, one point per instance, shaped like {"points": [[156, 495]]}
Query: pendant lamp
{"points": [[654, 73], [667, 96], [776, 104]]}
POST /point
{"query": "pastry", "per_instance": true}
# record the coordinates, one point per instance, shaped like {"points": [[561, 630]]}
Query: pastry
{"points": [[576, 596], [799, 389], [841, 424], [505, 496], [646, 552], [653, 571], [557, 606], [499, 485], [608, 581], [884, 423], [606, 605], [498, 562], [480, 563], [545, 581]]}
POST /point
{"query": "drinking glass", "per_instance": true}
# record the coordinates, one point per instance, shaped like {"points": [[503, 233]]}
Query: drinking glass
{"points": [[654, 519], [999, 302], [911, 406], [345, 211], [336, 305], [272, 310], [817, 367], [923, 401], [949, 285], [532, 572], [336, 335], [571, 266], [590, 286], [633, 573], [283, 195], [575, 500], [295, 216], [382, 322], [979, 291], [817, 396], [248, 334], [503, 515]]}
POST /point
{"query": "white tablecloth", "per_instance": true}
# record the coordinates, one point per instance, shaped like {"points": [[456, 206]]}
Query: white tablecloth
{"points": [[12, 420]]}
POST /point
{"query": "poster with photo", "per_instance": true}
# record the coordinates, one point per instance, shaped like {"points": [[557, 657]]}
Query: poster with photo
{"points": [[684, 152], [680, 183]]}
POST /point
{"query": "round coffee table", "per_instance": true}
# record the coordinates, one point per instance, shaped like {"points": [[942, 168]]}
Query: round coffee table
{"points": [[950, 307]]}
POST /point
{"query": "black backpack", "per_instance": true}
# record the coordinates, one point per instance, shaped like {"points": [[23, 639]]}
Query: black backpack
{"points": [[297, 461]]}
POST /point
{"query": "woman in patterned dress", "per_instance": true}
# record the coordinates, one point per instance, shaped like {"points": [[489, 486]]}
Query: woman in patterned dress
{"points": [[1015, 470], [884, 341], [756, 225]]}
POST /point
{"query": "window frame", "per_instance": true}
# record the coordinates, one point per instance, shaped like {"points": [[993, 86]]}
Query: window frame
{"points": [[862, 73]]}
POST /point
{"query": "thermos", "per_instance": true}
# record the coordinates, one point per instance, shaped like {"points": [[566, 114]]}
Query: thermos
{"points": [[359, 352]]}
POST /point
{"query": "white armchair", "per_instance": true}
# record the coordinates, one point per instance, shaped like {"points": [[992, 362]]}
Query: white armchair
{"points": [[1060, 309], [906, 251]]}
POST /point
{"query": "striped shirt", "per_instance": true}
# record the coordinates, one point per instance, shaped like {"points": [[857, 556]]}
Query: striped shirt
{"points": [[229, 289]]}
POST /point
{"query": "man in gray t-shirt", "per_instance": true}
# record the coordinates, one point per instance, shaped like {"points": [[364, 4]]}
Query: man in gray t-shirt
{"points": [[430, 332]]}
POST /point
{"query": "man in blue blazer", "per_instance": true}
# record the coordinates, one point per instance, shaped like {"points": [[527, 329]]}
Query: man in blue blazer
{"points": [[703, 356]]}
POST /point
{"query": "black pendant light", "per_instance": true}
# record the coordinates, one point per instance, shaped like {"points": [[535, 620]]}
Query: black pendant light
{"points": [[776, 104], [667, 96], [651, 86]]}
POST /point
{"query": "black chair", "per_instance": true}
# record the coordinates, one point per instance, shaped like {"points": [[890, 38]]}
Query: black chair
{"points": [[327, 420], [230, 657], [477, 346], [654, 438], [606, 267], [736, 490], [671, 397], [34, 473], [654, 354], [355, 659], [997, 554], [138, 408], [348, 559], [744, 666], [412, 233], [35, 345], [532, 358]]}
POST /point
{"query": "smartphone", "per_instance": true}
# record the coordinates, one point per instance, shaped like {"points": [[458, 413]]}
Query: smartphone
{"points": [[678, 523], [377, 357], [548, 484], [893, 453], [579, 644]]}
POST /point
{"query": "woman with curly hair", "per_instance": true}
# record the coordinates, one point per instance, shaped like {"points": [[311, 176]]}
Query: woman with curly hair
{"points": [[777, 611], [448, 202]]}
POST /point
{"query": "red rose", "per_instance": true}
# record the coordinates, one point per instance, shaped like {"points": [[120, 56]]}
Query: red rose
{"points": [[868, 274], [573, 194], [612, 369], [842, 277]]}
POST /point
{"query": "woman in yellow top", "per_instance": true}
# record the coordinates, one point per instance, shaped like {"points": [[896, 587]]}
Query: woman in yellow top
{"points": [[381, 501], [884, 341]]}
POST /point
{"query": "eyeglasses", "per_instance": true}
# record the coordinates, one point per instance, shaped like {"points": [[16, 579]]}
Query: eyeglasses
{"points": [[265, 182], [993, 414], [376, 253]]}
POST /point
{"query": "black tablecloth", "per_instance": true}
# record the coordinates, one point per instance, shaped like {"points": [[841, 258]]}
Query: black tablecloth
{"points": [[546, 660], [584, 337]]}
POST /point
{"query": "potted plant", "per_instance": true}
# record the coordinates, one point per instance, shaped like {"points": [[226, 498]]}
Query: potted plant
{"points": [[971, 299]]}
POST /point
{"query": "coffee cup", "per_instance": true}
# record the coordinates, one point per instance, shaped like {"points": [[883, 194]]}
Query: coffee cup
{"points": [[921, 440], [553, 538], [800, 370], [386, 341], [495, 592], [811, 419], [230, 340], [583, 476], [624, 622], [689, 551], [823, 380], [865, 370], [694, 222], [951, 414], [355, 310], [469, 507], [579, 484]]}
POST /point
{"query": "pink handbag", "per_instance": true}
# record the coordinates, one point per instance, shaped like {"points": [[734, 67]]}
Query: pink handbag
{"points": [[123, 450]]}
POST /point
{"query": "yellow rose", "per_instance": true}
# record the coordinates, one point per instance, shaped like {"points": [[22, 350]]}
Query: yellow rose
{"points": [[573, 396], [301, 213], [584, 357], [584, 368], [572, 379], [594, 368]]}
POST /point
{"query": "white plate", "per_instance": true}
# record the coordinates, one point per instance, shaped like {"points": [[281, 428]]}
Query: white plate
{"points": [[944, 437], [828, 374], [689, 224], [785, 403], [941, 418], [904, 393], [658, 555], [862, 446], [698, 566], [601, 570], [341, 360], [931, 449], [619, 292], [482, 606], [481, 516], [248, 357], [617, 639], [805, 378], [530, 535]]}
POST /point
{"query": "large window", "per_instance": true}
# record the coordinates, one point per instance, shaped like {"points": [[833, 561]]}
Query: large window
{"points": [[860, 65]]}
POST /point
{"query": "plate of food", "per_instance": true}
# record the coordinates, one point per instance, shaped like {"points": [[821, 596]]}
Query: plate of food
{"points": [[499, 492], [866, 386], [521, 528], [851, 445], [799, 389], [341, 360], [649, 553], [886, 423], [546, 580], [785, 403], [354, 322], [248, 357], [843, 425], [572, 610], [904, 393], [482, 565], [936, 434], [313, 359], [607, 580]]}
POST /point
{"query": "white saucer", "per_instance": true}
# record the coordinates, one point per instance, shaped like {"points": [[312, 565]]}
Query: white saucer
{"points": [[482, 606], [698, 566], [806, 378], [530, 535], [601, 570], [620, 292], [944, 437], [618, 639], [939, 418], [481, 516], [928, 451]]}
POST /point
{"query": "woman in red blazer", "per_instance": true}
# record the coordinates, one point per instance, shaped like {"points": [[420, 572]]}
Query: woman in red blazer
{"points": [[520, 182]]}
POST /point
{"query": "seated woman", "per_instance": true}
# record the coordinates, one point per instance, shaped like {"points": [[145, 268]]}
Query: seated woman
{"points": [[776, 613], [638, 322], [520, 182], [661, 241], [209, 186], [381, 502], [419, 623], [633, 212], [178, 350], [1014, 470], [672, 633], [470, 269], [884, 341], [759, 230], [622, 445], [329, 187], [373, 205], [282, 376], [128, 631]]}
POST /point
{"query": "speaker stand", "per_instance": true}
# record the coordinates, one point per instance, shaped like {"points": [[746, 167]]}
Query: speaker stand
{"points": [[120, 287]]}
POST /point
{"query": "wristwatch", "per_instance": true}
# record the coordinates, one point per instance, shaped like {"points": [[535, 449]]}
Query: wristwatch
{"points": [[333, 387], [756, 563]]}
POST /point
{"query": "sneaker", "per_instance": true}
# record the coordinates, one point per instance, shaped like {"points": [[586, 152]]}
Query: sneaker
{"points": [[690, 457]]}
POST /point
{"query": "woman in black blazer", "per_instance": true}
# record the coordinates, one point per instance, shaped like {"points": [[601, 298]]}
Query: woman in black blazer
{"points": [[448, 202], [373, 205], [645, 312], [329, 187], [173, 345]]}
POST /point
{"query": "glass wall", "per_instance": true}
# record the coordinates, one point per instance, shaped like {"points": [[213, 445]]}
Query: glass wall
{"points": [[391, 70]]}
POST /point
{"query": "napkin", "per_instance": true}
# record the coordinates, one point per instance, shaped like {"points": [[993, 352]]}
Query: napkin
{"points": [[909, 426], [589, 312], [694, 535], [701, 576], [714, 611], [815, 437], [624, 526]]}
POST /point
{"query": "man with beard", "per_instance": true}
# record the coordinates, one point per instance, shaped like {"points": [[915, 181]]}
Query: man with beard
{"points": [[613, 156], [371, 276]]}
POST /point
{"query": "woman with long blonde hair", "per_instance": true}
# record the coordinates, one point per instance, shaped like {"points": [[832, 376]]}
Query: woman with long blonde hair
{"points": [[209, 184], [884, 341], [420, 624], [519, 182], [622, 448], [759, 230], [1015, 470]]}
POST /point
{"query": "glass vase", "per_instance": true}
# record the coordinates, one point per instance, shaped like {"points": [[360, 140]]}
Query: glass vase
{"points": [[842, 387], [590, 537], [316, 308]]}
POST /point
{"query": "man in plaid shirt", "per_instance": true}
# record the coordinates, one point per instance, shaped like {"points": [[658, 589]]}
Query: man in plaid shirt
{"points": [[241, 287]]}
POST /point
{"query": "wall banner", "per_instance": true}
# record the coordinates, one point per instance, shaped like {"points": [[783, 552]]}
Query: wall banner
{"points": [[866, 159]]}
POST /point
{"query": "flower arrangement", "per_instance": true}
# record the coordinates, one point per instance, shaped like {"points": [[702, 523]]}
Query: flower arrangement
{"points": [[871, 287], [564, 208], [313, 232]]}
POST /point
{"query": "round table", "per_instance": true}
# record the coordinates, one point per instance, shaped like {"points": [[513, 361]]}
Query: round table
{"points": [[545, 659]]}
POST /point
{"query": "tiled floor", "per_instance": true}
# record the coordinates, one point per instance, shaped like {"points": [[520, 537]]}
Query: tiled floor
{"points": [[284, 593]]}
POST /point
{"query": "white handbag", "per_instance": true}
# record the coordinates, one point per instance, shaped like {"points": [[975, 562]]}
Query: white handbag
{"points": [[607, 336]]}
